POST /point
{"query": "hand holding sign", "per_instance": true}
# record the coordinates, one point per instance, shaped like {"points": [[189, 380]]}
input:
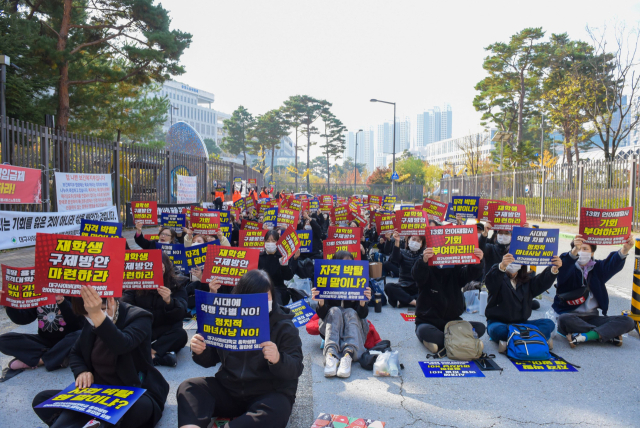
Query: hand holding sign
{"points": [[556, 264], [628, 245], [270, 352], [84, 380], [314, 295], [197, 344], [427, 254]]}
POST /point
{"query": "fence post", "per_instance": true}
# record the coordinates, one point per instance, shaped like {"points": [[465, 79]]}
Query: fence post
{"points": [[44, 152], [632, 186], [542, 192], [206, 178], [514, 186], [167, 162], [476, 194], [580, 187], [116, 171], [491, 186]]}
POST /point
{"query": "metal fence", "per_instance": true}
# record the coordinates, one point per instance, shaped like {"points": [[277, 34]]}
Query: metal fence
{"points": [[138, 173], [404, 192], [556, 194]]}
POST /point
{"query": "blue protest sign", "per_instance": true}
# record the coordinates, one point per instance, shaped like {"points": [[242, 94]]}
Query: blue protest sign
{"points": [[195, 256], [270, 218], [552, 365], [306, 240], [466, 206], [226, 229], [450, 216], [105, 402], [174, 221], [341, 279], [534, 246], [225, 215], [389, 201], [450, 369], [302, 312], [235, 322], [102, 229], [314, 204], [175, 253], [407, 207]]}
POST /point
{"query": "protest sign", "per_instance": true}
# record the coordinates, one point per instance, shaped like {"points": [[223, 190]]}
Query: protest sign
{"points": [[253, 181], [605, 226], [288, 243], [151, 237], [534, 246], [145, 212], [161, 208], [295, 204], [142, 270], [175, 252], [76, 192], [196, 255], [450, 369], [409, 317], [187, 189], [453, 245], [288, 217], [506, 216], [173, 221], [435, 210], [341, 279], [301, 311], [306, 241], [20, 185], [552, 365], [326, 208], [450, 216], [332, 246], [384, 223], [389, 202], [375, 200], [340, 215], [229, 264], [251, 238], [205, 223], [411, 222], [466, 206], [220, 186], [483, 207], [106, 402], [326, 199], [250, 225], [19, 289], [340, 232], [234, 322], [406, 207], [66, 263], [270, 218], [101, 229], [240, 204], [314, 205]]}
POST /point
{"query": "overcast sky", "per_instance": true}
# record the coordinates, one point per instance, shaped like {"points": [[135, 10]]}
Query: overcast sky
{"points": [[416, 53]]}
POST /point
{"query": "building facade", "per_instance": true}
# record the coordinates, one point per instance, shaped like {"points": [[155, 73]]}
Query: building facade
{"points": [[384, 144], [434, 125]]}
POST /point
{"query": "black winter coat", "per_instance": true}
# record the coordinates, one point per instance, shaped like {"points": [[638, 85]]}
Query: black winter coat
{"points": [[56, 327], [406, 259], [270, 263], [493, 253], [164, 315], [316, 243]]}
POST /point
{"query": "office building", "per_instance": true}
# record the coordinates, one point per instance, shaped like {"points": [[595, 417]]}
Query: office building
{"points": [[434, 125], [384, 144], [284, 156]]}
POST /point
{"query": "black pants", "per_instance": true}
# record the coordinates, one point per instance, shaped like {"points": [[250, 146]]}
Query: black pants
{"points": [[202, 398], [282, 295], [168, 339], [398, 294], [432, 334], [30, 348], [389, 266], [218, 203], [606, 327], [138, 415]]}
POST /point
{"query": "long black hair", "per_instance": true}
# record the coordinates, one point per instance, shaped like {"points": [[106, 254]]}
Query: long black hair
{"points": [[274, 233], [342, 255], [254, 282]]}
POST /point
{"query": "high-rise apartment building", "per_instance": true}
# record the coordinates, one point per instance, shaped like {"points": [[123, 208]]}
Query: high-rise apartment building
{"points": [[366, 147], [384, 144], [403, 135], [434, 125]]}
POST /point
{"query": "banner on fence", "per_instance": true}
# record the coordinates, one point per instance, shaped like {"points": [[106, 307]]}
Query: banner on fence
{"points": [[534, 246], [340, 232], [288, 243], [20, 185], [435, 210], [411, 222], [229, 264], [83, 191], [466, 206], [175, 252], [506, 216], [100, 229], [450, 369], [306, 241], [251, 238], [205, 223], [301, 311], [484, 207], [18, 284], [605, 226], [341, 279], [142, 270], [453, 245], [187, 191], [145, 212], [332, 246]]}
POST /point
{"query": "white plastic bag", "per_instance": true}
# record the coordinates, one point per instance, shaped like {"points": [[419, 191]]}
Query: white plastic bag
{"points": [[472, 301], [381, 366], [394, 364], [553, 316]]}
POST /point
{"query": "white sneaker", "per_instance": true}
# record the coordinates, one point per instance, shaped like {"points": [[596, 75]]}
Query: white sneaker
{"points": [[330, 366], [502, 347], [345, 366]]}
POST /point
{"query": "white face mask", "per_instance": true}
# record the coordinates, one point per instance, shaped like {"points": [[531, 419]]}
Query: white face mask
{"points": [[270, 305], [90, 321], [583, 257], [307, 227], [270, 247], [513, 268], [414, 245], [504, 239]]}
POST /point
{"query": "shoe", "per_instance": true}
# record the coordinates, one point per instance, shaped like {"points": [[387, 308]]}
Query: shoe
{"points": [[550, 343], [431, 347], [616, 341], [93, 423], [535, 305], [330, 366], [392, 303], [574, 339], [169, 360], [345, 366], [502, 347]]}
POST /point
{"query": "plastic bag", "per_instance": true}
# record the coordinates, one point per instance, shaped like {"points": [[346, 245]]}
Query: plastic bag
{"points": [[301, 284], [381, 366], [394, 364], [472, 301], [553, 316]]}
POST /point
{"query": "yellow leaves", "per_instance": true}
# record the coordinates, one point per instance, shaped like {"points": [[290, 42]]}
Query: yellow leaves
{"points": [[548, 160]]}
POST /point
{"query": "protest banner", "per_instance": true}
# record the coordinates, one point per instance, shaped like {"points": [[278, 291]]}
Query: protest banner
{"points": [[173, 221], [306, 241], [453, 245], [340, 215], [75, 192], [409, 317], [326, 199], [251, 238], [450, 216], [106, 402], [226, 229], [225, 215], [375, 200], [250, 204], [205, 223], [151, 237], [534, 246], [66, 263], [435, 210], [161, 208], [341, 232], [229, 264], [234, 322], [142, 270], [326, 208], [100, 229], [196, 255], [384, 223], [450, 369], [288, 217], [483, 207], [187, 189], [552, 365], [406, 207], [301, 311], [220, 186], [145, 212], [20, 185], [389, 202], [362, 221], [253, 181], [175, 252], [466, 206], [270, 218], [506, 216], [341, 279], [295, 204], [411, 222], [605, 226], [332, 246], [18, 284], [288, 243], [314, 205], [250, 225], [240, 204]]}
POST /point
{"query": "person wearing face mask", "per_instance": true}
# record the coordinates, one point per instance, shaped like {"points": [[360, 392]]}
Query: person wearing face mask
{"points": [[390, 267], [114, 348], [270, 261], [313, 223], [511, 290], [257, 388], [582, 290], [404, 292]]}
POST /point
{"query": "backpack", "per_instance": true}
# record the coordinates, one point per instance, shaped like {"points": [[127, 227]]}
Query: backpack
{"points": [[459, 342], [377, 287], [306, 269], [527, 343]]}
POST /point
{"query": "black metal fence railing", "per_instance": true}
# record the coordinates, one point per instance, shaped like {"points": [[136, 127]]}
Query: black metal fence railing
{"points": [[404, 192]]}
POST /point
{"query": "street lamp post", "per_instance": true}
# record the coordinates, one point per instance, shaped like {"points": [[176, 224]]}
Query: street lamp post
{"points": [[355, 164], [373, 100], [4, 62], [171, 109]]}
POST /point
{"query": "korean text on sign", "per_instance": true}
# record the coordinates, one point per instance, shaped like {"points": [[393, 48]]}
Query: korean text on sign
{"points": [[466, 206], [341, 279], [453, 245], [506, 216], [142, 270], [605, 226], [19, 289], [534, 246], [229, 264], [145, 211]]}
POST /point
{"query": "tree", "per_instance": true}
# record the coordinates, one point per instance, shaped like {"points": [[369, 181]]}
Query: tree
{"points": [[309, 109], [432, 176], [236, 129], [267, 132], [320, 167], [471, 147], [380, 175], [294, 114], [335, 143], [411, 167], [212, 147]]}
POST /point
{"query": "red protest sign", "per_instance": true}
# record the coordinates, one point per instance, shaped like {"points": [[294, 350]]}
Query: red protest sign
{"points": [[340, 215], [506, 216], [288, 217], [453, 245], [145, 211], [332, 246], [435, 210], [384, 223], [251, 238], [250, 204], [483, 207], [411, 222], [151, 237], [19, 289], [229, 264], [288, 243], [362, 221], [326, 199], [375, 200], [265, 206], [250, 225], [20, 185], [295, 204], [326, 208], [65, 263], [253, 181], [605, 226], [205, 223], [142, 270], [339, 232]]}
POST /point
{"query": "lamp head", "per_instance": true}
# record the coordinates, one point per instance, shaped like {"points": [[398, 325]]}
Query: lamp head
{"points": [[373, 100]]}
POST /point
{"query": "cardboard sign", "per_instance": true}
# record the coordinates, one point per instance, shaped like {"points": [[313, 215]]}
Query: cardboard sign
{"points": [[161, 208], [605, 226], [327, 420], [314, 205], [205, 223], [250, 225], [411, 222], [450, 369], [409, 317], [175, 252], [174, 221], [341, 279], [340, 232], [506, 216], [234, 322], [295, 204], [552, 365], [534, 246], [250, 205], [332, 246], [145, 211], [251, 238], [288, 243], [340, 215], [20, 185], [435, 210], [229, 264], [65, 263], [453, 245], [375, 200], [187, 189], [20, 290], [466, 206], [306, 241], [142, 270], [196, 255], [100, 229], [106, 402], [385, 223], [326, 199], [270, 218], [484, 207], [288, 217], [302, 312]]}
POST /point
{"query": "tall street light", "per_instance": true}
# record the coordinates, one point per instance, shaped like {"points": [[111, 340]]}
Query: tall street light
{"points": [[4, 62], [355, 163], [393, 187], [171, 109]]}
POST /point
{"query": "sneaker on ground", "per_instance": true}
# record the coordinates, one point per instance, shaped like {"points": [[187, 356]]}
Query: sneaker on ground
{"points": [[431, 347], [330, 366], [617, 341], [502, 347], [345, 366], [574, 339]]}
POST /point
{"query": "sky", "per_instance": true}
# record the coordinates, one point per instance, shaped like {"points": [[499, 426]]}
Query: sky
{"points": [[419, 54]]}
